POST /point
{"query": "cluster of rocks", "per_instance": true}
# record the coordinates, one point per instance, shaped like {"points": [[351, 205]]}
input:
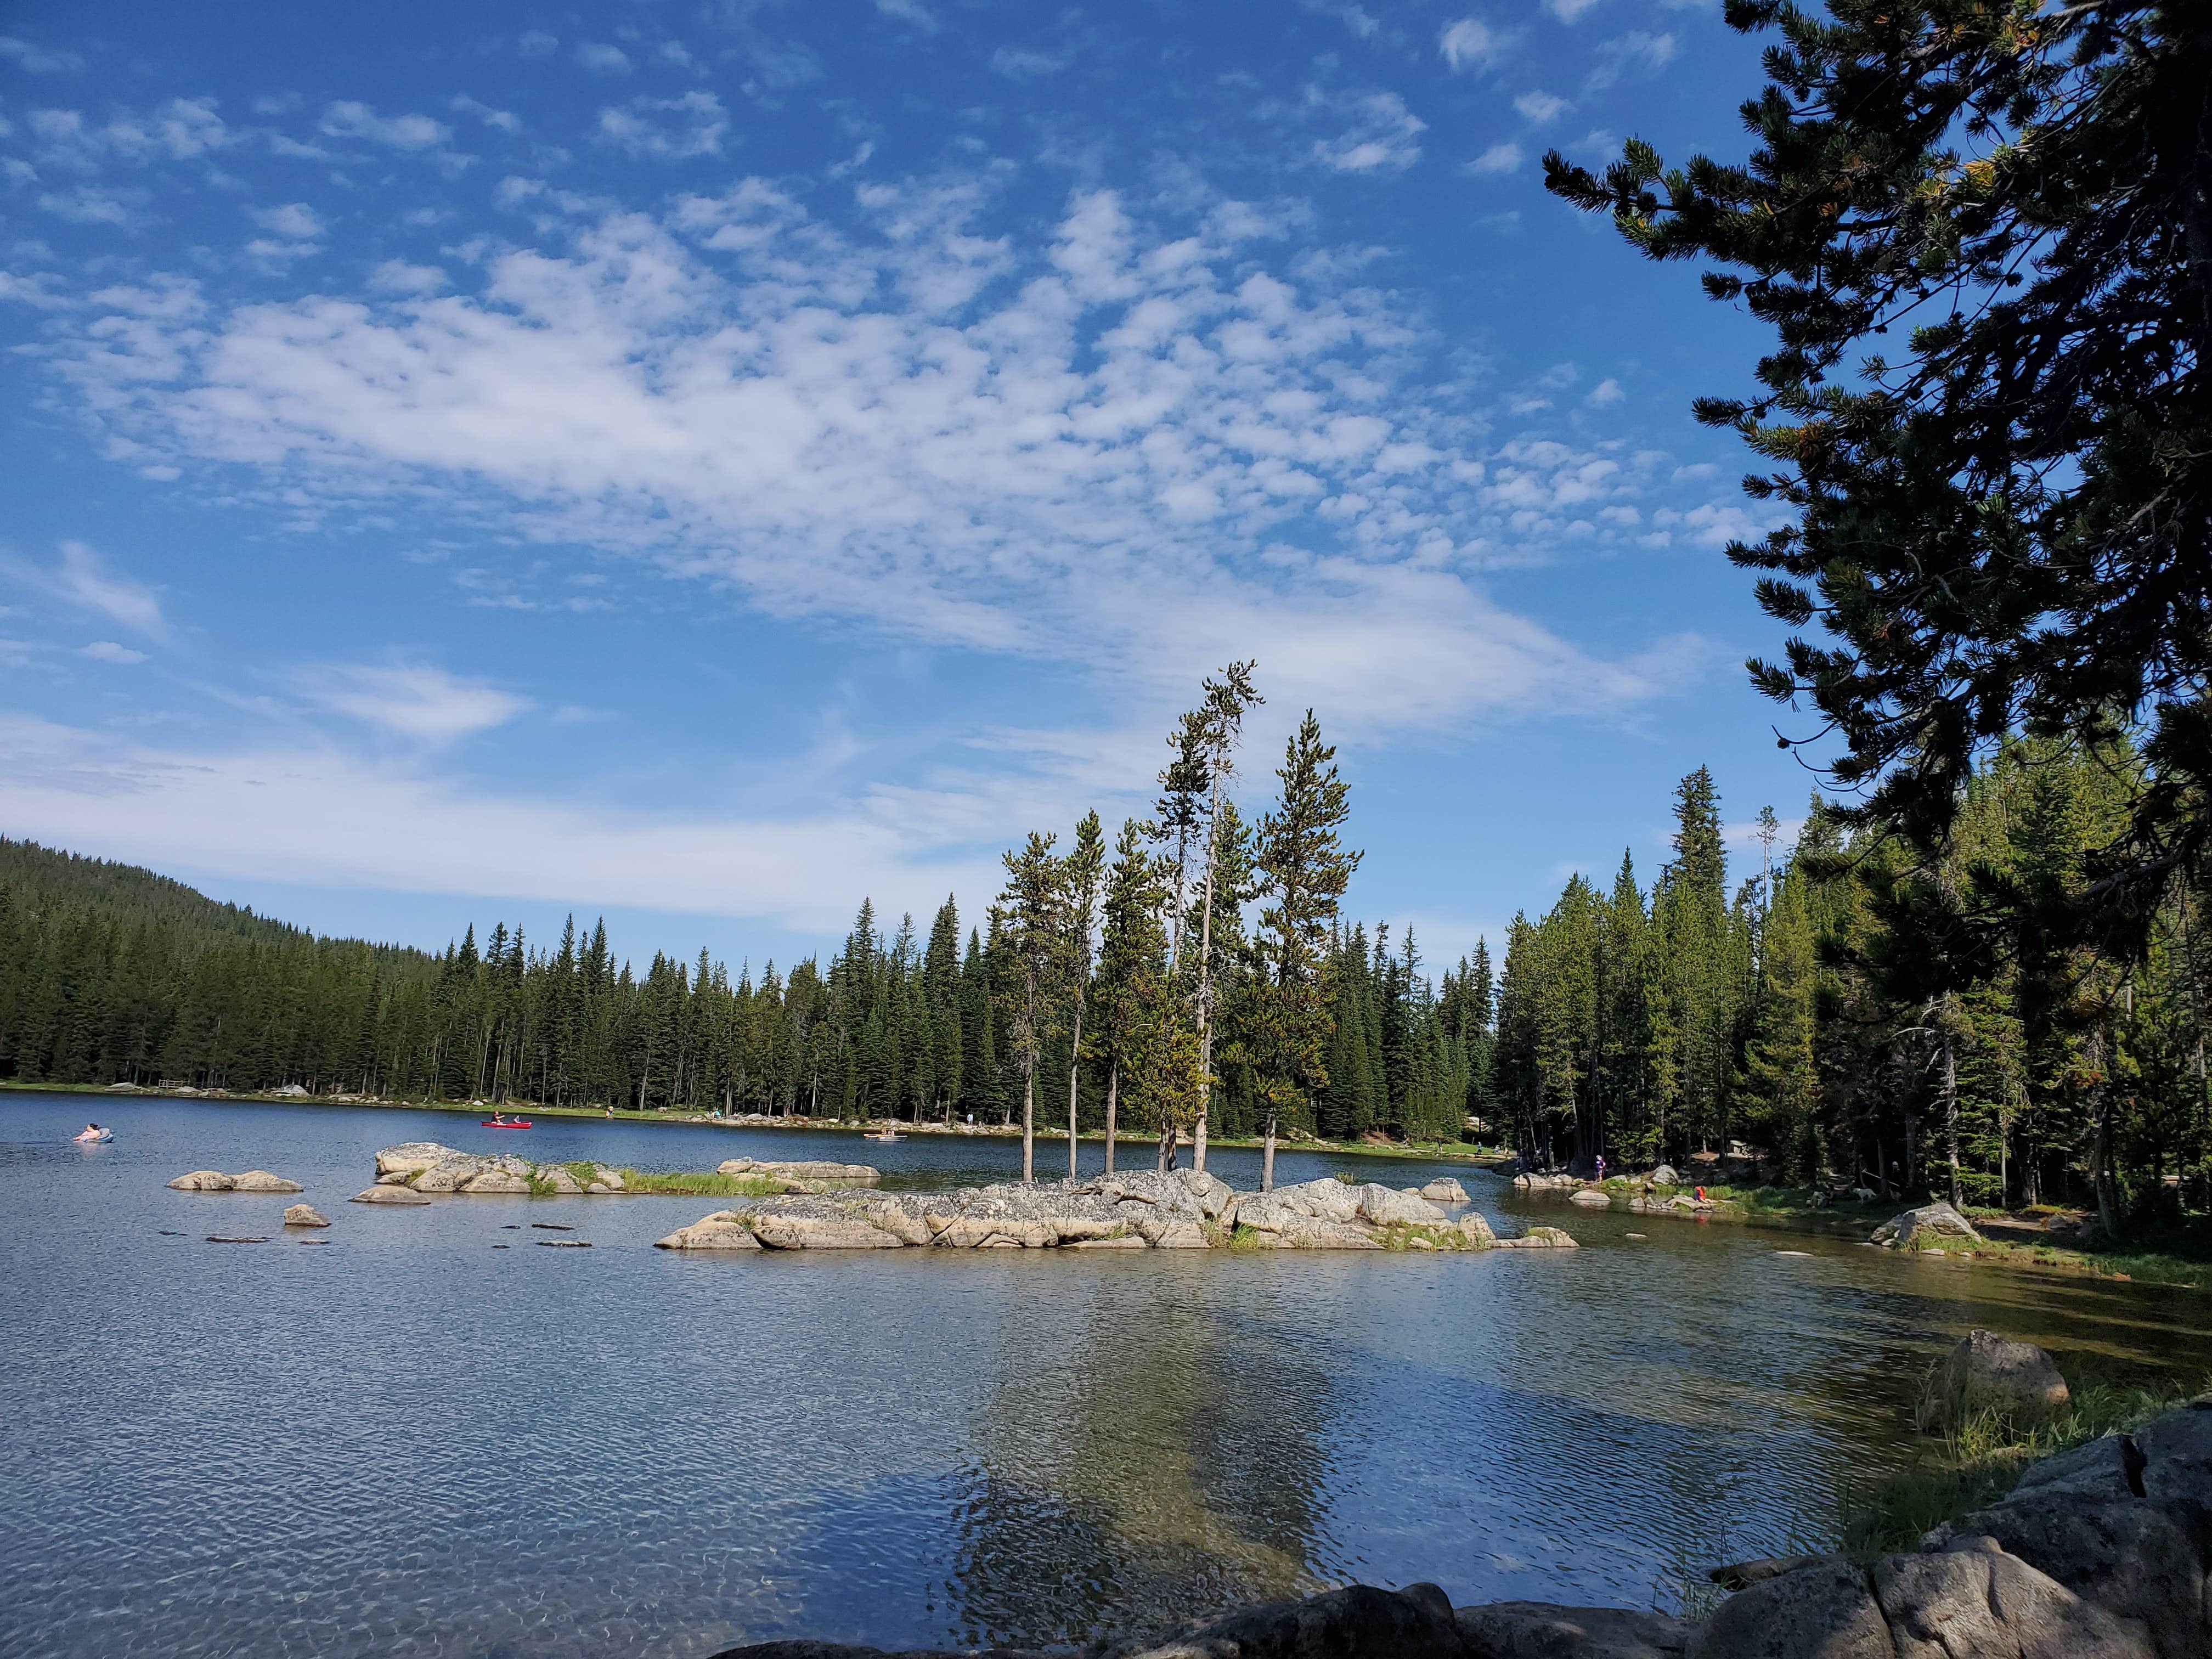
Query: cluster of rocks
{"points": [[2100, 1552], [1635, 1194], [1184, 1209], [250, 1181], [406, 1173]]}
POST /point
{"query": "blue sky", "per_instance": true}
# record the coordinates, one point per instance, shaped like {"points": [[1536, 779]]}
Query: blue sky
{"points": [[703, 463]]}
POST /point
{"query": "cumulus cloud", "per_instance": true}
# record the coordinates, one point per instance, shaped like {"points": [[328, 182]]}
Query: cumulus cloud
{"points": [[82, 581], [1568, 10], [600, 58], [1381, 134], [1541, 108], [1638, 50], [667, 129], [1606, 394], [295, 220], [350, 119], [109, 651], [413, 700], [1499, 158], [1111, 442], [1470, 44], [398, 277], [911, 12]]}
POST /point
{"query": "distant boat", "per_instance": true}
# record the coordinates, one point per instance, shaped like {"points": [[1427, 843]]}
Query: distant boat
{"points": [[886, 1134], [504, 1123]]}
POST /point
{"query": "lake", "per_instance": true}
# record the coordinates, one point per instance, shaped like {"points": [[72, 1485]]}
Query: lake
{"points": [[406, 1441]]}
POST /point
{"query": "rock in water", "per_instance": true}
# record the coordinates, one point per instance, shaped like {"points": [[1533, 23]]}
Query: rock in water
{"points": [[204, 1180], [792, 1233], [1591, 1197], [380, 1195], [305, 1215], [413, 1157], [260, 1181], [1986, 1372], [1444, 1190], [1539, 1238], [1929, 1225], [495, 1181], [714, 1232]]}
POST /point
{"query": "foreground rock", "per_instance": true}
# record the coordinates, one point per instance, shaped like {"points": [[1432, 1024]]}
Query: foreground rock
{"points": [[253, 1181], [2100, 1552], [1138, 1210], [1986, 1372], [305, 1215], [1926, 1228]]}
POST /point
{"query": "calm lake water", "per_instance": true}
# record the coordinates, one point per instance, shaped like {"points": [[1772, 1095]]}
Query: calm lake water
{"points": [[404, 1441]]}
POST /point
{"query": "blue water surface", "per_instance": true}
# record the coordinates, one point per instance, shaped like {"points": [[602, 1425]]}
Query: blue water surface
{"points": [[394, 1436]]}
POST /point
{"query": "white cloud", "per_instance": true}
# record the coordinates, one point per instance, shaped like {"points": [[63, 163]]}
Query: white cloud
{"points": [[1470, 44], [294, 219], [109, 651], [398, 277], [1568, 10], [319, 814], [1605, 394], [1499, 158], [600, 58], [504, 120], [1638, 50], [536, 43], [35, 59], [667, 129], [349, 119], [910, 11], [1541, 108], [413, 700], [81, 579], [1382, 137], [1091, 442]]}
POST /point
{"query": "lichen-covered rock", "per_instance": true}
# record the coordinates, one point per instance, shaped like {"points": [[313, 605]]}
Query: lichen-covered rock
{"points": [[558, 1181], [202, 1181], [804, 1232], [413, 1157], [1929, 1225], [804, 1170], [260, 1181], [1537, 1238], [1384, 1206], [719, 1231], [305, 1215], [1975, 1599], [383, 1194], [495, 1181], [1985, 1372], [1825, 1611]]}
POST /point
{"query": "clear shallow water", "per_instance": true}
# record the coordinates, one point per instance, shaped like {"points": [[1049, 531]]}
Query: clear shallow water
{"points": [[404, 1441]]}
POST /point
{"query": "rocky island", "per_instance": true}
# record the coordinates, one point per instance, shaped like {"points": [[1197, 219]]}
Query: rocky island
{"points": [[1183, 1210]]}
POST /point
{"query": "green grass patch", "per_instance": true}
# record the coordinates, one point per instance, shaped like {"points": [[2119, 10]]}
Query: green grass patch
{"points": [[1983, 1459]]}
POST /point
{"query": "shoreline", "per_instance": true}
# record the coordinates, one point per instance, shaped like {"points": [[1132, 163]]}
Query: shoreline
{"points": [[1419, 1151], [2134, 1263]]}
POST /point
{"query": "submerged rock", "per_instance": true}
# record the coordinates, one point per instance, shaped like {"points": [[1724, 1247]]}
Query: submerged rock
{"points": [[1988, 1372], [383, 1194], [305, 1215], [260, 1181]]}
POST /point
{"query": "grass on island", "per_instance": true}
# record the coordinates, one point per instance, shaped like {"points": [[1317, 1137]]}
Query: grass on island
{"points": [[1982, 1460], [684, 1183]]}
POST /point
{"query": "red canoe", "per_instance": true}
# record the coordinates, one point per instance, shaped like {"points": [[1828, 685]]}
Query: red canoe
{"points": [[502, 1126]]}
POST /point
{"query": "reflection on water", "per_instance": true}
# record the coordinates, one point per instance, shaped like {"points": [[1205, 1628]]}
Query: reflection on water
{"points": [[407, 1443]]}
